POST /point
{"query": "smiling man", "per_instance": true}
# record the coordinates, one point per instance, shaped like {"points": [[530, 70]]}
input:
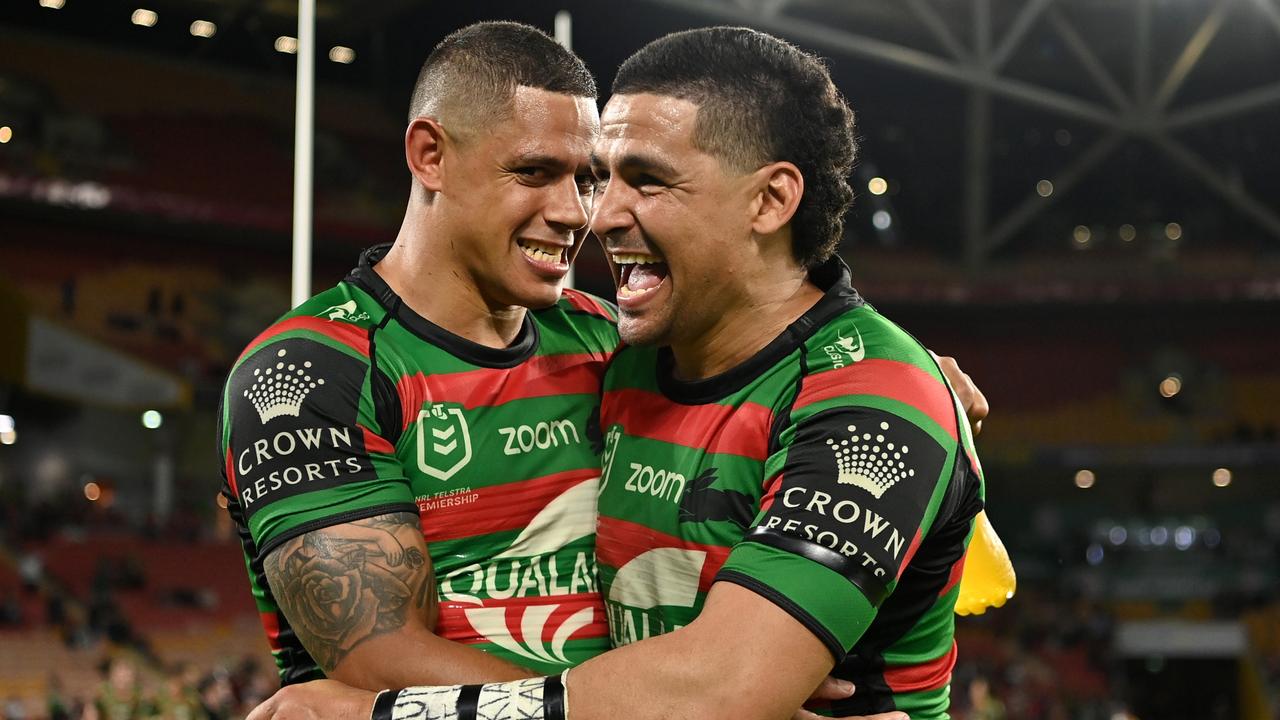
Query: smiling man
{"points": [[789, 482], [415, 432]]}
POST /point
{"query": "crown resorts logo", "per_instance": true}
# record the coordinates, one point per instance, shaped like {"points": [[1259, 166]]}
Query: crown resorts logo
{"points": [[869, 462], [280, 389]]}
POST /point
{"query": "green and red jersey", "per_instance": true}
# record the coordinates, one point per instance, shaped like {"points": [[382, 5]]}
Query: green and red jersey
{"points": [[832, 473], [353, 406]]}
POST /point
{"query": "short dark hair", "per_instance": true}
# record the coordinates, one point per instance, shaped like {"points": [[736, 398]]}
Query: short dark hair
{"points": [[760, 100], [470, 77]]}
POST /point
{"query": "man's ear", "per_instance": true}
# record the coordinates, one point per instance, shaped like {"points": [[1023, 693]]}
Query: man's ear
{"points": [[424, 143], [779, 186]]}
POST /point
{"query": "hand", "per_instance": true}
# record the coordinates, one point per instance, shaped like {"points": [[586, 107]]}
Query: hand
{"points": [[836, 689], [315, 700], [974, 402]]}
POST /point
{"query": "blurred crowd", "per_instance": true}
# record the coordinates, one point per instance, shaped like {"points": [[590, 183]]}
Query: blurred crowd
{"points": [[179, 692]]}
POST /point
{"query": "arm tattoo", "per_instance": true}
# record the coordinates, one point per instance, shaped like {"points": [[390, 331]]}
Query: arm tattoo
{"points": [[341, 585]]}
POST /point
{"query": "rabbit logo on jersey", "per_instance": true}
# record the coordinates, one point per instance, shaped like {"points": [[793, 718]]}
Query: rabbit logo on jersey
{"points": [[541, 562]]}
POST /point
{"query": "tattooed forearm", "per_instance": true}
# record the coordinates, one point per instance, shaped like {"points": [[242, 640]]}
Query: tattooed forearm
{"points": [[342, 585]]}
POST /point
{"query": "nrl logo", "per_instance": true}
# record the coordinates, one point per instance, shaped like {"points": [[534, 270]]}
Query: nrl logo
{"points": [[280, 389], [444, 440], [870, 461], [346, 312]]}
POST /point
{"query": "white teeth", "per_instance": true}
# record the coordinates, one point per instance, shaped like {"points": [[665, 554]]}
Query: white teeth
{"points": [[626, 292], [634, 259], [542, 253]]}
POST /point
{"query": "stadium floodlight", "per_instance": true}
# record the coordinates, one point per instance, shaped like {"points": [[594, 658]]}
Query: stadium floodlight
{"points": [[92, 491], [882, 219], [287, 44], [342, 54], [145, 17], [6, 134], [1221, 477], [203, 28], [8, 431], [53, 4], [152, 419], [1044, 188], [877, 185], [1085, 479]]}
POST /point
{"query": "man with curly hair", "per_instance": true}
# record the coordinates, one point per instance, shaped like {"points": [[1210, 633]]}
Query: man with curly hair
{"points": [[789, 483]]}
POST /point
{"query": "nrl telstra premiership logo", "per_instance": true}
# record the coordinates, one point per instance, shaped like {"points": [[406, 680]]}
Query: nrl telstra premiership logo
{"points": [[444, 440], [281, 389], [868, 460]]}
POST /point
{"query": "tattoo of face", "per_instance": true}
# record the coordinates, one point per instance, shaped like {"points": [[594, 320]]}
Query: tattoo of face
{"points": [[341, 585]]}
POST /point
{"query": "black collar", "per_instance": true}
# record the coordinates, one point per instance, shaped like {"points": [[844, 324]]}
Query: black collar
{"points": [[838, 296], [521, 349]]}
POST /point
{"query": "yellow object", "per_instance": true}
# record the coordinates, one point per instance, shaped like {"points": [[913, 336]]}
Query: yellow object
{"points": [[988, 580]]}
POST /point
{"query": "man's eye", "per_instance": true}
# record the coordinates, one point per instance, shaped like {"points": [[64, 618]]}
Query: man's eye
{"points": [[533, 173]]}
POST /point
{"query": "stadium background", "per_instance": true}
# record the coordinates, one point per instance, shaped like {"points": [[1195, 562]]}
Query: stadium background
{"points": [[1079, 199]]}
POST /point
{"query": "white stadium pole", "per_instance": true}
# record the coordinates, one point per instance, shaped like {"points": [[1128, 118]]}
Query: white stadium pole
{"points": [[304, 120], [564, 36]]}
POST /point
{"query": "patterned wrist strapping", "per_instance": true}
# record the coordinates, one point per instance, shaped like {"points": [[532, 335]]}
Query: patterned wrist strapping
{"points": [[542, 698]]}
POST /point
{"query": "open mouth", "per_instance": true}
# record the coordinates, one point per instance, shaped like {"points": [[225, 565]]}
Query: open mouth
{"points": [[544, 252], [639, 273]]}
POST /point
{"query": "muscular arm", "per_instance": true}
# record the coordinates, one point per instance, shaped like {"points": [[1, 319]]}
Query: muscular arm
{"points": [[742, 658], [361, 597]]}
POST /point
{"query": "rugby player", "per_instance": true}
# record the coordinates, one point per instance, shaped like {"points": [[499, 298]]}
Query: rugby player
{"points": [[789, 482], [414, 432]]}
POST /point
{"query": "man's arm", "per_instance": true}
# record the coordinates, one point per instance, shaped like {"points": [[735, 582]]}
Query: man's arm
{"points": [[743, 657], [361, 597]]}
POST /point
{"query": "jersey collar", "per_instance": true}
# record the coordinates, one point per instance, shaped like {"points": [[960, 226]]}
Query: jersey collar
{"points": [[832, 277], [521, 349]]}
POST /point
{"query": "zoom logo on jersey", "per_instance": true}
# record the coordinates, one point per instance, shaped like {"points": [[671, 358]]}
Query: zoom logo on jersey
{"points": [[444, 440], [524, 438], [293, 408], [645, 480], [833, 504]]}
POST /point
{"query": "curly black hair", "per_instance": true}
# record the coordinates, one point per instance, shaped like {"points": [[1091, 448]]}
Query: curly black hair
{"points": [[760, 100]]}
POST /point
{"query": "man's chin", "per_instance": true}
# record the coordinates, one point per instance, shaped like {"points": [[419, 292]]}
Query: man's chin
{"points": [[641, 330]]}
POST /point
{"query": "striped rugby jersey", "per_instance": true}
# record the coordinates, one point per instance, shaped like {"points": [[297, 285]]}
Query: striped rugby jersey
{"points": [[833, 473], [352, 406]]}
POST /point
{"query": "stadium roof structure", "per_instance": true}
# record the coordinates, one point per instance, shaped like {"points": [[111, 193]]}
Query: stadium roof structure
{"points": [[999, 130]]}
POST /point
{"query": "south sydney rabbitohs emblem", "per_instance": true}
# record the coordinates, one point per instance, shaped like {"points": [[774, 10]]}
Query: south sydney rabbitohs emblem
{"points": [[846, 350], [280, 389], [444, 440], [866, 460]]}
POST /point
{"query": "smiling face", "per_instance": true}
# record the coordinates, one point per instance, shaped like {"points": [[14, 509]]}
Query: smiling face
{"points": [[674, 223], [518, 196]]}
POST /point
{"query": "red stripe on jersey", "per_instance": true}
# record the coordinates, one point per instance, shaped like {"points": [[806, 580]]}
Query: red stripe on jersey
{"points": [[770, 492], [925, 676], [957, 571], [454, 625], [911, 552], [374, 442], [231, 475], [539, 376], [742, 430], [271, 624], [895, 380], [619, 542], [353, 336], [484, 510], [582, 301]]}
